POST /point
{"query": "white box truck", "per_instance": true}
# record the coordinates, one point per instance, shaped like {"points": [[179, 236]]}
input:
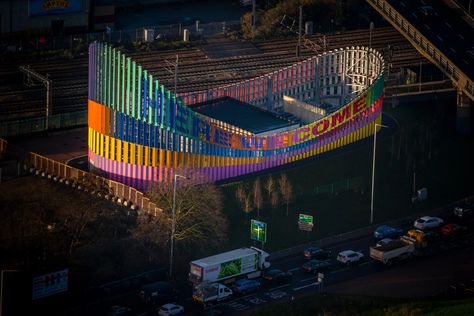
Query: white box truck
{"points": [[227, 265]]}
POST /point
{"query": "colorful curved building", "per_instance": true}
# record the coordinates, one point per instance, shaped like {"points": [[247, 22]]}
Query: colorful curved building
{"points": [[140, 132]]}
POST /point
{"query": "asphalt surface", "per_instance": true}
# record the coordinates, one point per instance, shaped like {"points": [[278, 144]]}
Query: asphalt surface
{"points": [[444, 28], [448, 260]]}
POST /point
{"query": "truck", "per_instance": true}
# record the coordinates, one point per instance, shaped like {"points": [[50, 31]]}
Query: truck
{"points": [[403, 248], [206, 293], [249, 262]]}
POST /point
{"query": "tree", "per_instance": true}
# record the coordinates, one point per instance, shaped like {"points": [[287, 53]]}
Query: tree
{"points": [[200, 223], [270, 187], [274, 199], [257, 195], [244, 198], [286, 190]]}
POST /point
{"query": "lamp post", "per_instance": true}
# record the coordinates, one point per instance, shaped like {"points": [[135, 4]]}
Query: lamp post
{"points": [[1, 289], [373, 174], [173, 221], [371, 27]]}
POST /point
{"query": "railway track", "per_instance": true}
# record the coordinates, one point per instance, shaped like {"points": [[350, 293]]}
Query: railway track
{"points": [[196, 70]]}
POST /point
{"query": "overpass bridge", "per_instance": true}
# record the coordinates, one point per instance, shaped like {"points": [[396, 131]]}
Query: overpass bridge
{"points": [[444, 35]]}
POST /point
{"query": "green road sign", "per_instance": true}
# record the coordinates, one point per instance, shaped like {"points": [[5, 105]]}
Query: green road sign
{"points": [[258, 230], [305, 222]]}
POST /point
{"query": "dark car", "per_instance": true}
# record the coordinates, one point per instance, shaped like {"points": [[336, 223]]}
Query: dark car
{"points": [[277, 276], [450, 230], [386, 231], [316, 253], [158, 293], [245, 286], [464, 211], [314, 265]]}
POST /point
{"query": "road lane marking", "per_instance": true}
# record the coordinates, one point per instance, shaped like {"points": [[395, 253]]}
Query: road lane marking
{"points": [[340, 270], [413, 13], [304, 286], [448, 25], [462, 37], [423, 2], [439, 37], [294, 269], [427, 26], [307, 279], [452, 49], [279, 287], [364, 263], [465, 62], [403, 4]]}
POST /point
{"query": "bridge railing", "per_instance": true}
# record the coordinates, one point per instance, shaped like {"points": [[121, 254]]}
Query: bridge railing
{"points": [[427, 49]]}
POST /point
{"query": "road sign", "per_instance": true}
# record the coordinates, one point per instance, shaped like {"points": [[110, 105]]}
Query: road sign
{"points": [[320, 277], [305, 222], [258, 230]]}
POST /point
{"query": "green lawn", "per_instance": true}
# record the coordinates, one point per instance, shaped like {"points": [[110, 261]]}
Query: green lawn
{"points": [[447, 175]]}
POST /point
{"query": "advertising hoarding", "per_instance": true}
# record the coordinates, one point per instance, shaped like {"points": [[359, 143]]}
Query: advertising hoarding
{"points": [[52, 7]]}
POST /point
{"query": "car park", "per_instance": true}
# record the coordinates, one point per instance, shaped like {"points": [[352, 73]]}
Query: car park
{"points": [[245, 286], [316, 253], [450, 230], [428, 222], [383, 242], [276, 276], [349, 256], [170, 309], [464, 211], [315, 265]]}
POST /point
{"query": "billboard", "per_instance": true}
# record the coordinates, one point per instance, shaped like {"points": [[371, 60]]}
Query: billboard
{"points": [[52, 7], [49, 284]]}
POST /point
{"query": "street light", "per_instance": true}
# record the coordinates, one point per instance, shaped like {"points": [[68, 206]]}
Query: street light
{"points": [[1, 289], [371, 27], [173, 221], [373, 174]]}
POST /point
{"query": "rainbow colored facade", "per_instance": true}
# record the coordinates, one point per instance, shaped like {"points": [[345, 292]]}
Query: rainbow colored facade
{"points": [[140, 132]]}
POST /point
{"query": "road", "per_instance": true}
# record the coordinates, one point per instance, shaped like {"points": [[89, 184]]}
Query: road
{"points": [[444, 28], [447, 261]]}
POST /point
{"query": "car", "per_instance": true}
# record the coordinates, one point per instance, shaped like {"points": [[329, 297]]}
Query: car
{"points": [[386, 231], [316, 253], [244, 286], [463, 211], [158, 293], [315, 265], [383, 242], [349, 256], [170, 309], [276, 276], [428, 222], [451, 229]]}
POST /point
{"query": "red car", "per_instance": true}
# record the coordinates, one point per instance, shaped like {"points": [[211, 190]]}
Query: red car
{"points": [[452, 229]]}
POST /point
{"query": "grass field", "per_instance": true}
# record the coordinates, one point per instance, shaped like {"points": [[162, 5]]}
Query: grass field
{"points": [[445, 170]]}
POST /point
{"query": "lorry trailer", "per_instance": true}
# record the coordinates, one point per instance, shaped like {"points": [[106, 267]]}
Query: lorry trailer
{"points": [[394, 251], [243, 261]]}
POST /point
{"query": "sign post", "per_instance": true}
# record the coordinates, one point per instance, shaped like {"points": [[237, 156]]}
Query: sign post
{"points": [[258, 231], [305, 222], [320, 281]]}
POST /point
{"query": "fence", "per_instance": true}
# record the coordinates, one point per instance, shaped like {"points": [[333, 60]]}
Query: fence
{"points": [[37, 124], [128, 36], [59, 171], [356, 183]]}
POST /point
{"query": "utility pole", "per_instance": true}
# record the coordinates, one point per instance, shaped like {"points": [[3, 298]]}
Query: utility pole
{"points": [[368, 52], [373, 174], [28, 75], [169, 68], [300, 30]]}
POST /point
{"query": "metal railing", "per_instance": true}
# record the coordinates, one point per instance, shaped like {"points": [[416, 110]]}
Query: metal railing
{"points": [[424, 46]]}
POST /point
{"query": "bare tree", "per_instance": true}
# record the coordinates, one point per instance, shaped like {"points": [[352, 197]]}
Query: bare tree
{"points": [[198, 213], [240, 194], [248, 203], [257, 195], [270, 186], [286, 190], [274, 199]]}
